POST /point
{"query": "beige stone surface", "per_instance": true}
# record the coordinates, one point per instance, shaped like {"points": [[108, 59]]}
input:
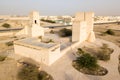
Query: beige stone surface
{"points": [[79, 31], [33, 29], [89, 18], [34, 18], [36, 29], [41, 52], [91, 37], [82, 28], [80, 16]]}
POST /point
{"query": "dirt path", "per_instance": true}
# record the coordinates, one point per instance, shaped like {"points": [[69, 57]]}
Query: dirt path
{"points": [[63, 70], [111, 65]]}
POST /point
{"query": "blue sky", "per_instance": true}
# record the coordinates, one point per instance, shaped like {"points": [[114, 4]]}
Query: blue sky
{"points": [[60, 7]]}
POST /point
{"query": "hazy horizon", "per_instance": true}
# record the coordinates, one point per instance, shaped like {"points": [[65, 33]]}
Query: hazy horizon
{"points": [[61, 7]]}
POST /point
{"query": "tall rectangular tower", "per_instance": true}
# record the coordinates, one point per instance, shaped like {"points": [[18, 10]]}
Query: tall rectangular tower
{"points": [[36, 29], [79, 28], [82, 28]]}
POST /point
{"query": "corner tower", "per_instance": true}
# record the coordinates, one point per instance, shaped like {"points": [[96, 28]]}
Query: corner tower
{"points": [[36, 29], [82, 28]]}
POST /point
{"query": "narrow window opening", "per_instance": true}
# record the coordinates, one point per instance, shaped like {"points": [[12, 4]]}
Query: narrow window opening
{"points": [[35, 21]]}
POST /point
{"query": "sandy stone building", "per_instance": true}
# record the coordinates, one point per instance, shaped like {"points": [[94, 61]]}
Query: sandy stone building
{"points": [[41, 52], [46, 49], [33, 29], [37, 47]]}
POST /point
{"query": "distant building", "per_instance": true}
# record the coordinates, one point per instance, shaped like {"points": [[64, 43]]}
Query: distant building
{"points": [[105, 19]]}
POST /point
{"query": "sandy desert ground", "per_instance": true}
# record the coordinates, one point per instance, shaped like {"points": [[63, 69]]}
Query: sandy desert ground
{"points": [[99, 29], [9, 70]]}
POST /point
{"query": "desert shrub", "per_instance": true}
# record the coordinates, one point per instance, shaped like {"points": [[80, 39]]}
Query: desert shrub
{"points": [[40, 37], [80, 51], [49, 21], [9, 43], [118, 23], [2, 58], [28, 72], [104, 53], [99, 71], [119, 64], [44, 76], [14, 37], [87, 61], [65, 32], [104, 46], [103, 56], [87, 64], [52, 32], [6, 25], [31, 72], [110, 32], [49, 41]]}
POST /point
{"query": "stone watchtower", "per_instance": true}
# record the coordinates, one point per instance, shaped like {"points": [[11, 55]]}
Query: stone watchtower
{"points": [[82, 29], [36, 29], [33, 29]]}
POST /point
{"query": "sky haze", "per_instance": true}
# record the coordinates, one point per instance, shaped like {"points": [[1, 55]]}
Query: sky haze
{"points": [[60, 7]]}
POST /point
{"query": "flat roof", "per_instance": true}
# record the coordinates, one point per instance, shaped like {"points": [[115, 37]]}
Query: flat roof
{"points": [[35, 43]]}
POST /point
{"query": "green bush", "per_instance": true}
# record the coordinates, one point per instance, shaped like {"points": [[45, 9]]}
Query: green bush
{"points": [[87, 61], [65, 32], [87, 64], [31, 72], [6, 25], [110, 32]]}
